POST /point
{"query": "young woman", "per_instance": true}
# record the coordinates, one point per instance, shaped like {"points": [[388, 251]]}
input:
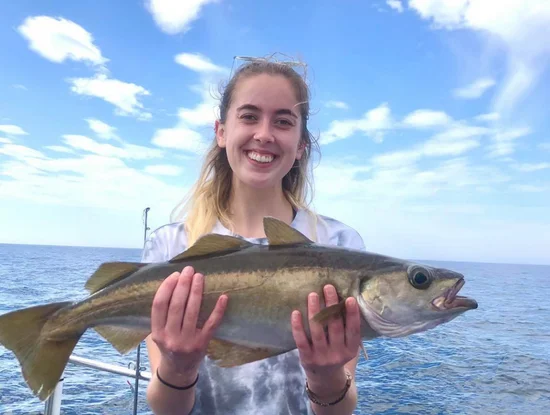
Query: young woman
{"points": [[257, 166]]}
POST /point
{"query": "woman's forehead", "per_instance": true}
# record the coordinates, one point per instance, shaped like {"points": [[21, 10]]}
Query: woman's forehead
{"points": [[265, 92]]}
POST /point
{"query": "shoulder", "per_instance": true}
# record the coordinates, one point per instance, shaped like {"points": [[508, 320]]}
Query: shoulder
{"points": [[165, 243], [330, 231]]}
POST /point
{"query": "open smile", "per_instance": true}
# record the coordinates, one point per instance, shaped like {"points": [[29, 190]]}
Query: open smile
{"points": [[260, 157]]}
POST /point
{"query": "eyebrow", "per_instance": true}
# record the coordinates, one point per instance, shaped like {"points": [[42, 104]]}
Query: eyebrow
{"points": [[251, 107]]}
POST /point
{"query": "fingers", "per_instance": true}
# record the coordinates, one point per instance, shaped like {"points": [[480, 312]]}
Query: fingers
{"points": [[180, 294], [353, 325], [161, 302], [215, 319], [336, 325], [193, 304], [299, 334], [318, 336]]}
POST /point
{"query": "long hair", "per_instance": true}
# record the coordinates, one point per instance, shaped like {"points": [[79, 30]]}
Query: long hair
{"points": [[208, 200]]}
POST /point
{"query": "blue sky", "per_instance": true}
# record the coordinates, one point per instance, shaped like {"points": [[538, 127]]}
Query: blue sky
{"points": [[432, 117]]}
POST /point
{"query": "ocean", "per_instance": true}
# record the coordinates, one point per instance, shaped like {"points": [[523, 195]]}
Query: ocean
{"points": [[493, 360]]}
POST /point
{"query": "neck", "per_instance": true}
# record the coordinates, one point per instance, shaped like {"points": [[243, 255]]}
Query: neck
{"points": [[249, 206]]}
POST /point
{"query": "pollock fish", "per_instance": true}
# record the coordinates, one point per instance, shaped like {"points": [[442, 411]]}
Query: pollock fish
{"points": [[265, 283]]}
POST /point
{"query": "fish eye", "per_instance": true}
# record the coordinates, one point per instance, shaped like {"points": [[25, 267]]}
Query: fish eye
{"points": [[420, 278]]}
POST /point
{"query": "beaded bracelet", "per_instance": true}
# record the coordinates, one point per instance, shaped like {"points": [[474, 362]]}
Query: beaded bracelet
{"points": [[180, 388], [315, 399]]}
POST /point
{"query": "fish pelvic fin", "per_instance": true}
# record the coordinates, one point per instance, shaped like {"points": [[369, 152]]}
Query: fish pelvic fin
{"points": [[121, 338], [328, 313], [279, 233], [42, 361], [212, 244], [228, 354], [109, 273]]}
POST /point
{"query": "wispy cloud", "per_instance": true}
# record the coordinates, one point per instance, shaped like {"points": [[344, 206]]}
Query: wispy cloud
{"points": [[126, 151], [60, 149], [424, 118], [102, 130], [544, 146], [337, 104], [163, 170], [11, 129], [529, 188], [504, 142], [373, 124], [492, 116], [21, 87], [60, 39], [396, 5], [530, 167], [199, 63], [123, 95], [174, 17], [5, 140], [475, 90], [523, 27]]}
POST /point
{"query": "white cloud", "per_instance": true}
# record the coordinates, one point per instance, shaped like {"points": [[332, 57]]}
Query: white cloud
{"points": [[174, 17], [12, 130], [60, 149], [5, 140], [181, 138], [475, 90], [337, 104], [129, 151], [504, 141], [492, 116], [529, 188], [426, 118], [19, 86], [163, 170], [396, 5], [102, 129], [373, 124], [521, 26], [20, 152], [59, 39], [530, 167], [124, 96], [199, 63]]}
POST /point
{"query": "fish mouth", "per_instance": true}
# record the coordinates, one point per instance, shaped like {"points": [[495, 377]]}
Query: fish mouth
{"points": [[450, 300]]}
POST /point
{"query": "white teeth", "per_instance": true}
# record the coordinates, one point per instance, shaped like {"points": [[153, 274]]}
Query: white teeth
{"points": [[262, 158]]}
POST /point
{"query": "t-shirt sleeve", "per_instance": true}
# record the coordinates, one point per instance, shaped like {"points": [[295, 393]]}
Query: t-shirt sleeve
{"points": [[154, 249], [350, 238]]}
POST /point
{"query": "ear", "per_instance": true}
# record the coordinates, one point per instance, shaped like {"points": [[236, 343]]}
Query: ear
{"points": [[300, 152], [220, 133]]}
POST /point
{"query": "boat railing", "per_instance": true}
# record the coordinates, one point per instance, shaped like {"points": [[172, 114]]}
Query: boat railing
{"points": [[53, 403]]}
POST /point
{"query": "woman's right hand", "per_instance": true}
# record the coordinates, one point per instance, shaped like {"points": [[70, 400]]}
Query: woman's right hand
{"points": [[174, 317]]}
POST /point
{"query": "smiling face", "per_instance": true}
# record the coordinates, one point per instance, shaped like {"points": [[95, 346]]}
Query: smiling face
{"points": [[262, 131]]}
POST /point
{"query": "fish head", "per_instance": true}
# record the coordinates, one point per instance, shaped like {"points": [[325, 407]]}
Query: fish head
{"points": [[411, 298]]}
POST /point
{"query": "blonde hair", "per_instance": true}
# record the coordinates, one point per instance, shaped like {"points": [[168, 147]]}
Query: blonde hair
{"points": [[208, 200]]}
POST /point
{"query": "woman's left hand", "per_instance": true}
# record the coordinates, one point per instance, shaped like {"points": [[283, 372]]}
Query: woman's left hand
{"points": [[328, 351]]}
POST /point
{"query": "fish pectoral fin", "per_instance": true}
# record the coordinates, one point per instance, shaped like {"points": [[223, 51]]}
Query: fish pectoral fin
{"points": [[279, 233], [212, 244], [328, 313], [123, 339], [228, 354], [109, 273]]}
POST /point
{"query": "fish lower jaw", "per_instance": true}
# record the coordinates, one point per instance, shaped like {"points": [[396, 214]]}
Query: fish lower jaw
{"points": [[442, 303]]}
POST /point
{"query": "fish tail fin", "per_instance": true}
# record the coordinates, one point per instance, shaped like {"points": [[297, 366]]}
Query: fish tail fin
{"points": [[42, 360]]}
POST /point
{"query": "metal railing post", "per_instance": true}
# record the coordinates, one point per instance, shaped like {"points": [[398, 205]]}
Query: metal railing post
{"points": [[53, 403]]}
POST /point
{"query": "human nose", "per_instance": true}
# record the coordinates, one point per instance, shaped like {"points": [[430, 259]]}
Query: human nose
{"points": [[264, 133]]}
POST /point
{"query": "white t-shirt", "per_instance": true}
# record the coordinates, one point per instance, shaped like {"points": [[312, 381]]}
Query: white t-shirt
{"points": [[273, 386]]}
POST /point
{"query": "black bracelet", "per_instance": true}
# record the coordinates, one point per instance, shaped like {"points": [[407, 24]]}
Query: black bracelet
{"points": [[315, 399], [180, 388]]}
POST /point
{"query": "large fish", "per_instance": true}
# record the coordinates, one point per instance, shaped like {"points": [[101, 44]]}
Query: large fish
{"points": [[264, 284]]}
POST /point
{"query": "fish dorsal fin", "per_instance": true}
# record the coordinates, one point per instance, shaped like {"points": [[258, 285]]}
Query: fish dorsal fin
{"points": [[279, 233], [109, 273], [212, 244]]}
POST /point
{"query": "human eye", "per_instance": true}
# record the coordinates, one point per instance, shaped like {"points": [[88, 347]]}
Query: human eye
{"points": [[248, 117], [284, 122]]}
